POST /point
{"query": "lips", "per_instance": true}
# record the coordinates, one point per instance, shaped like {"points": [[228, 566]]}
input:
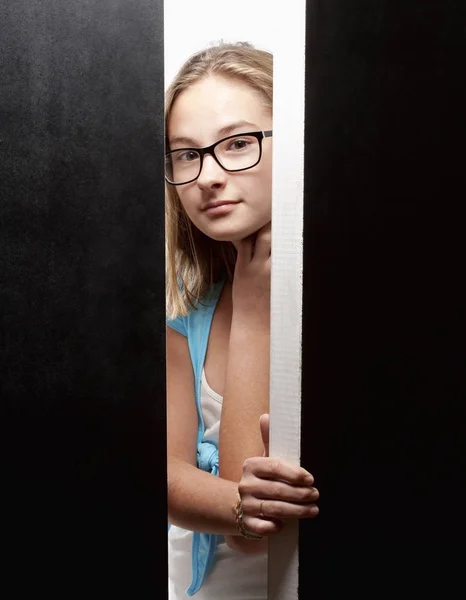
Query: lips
{"points": [[219, 203]]}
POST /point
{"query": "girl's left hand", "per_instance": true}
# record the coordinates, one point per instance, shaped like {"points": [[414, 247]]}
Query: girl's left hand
{"points": [[273, 490]]}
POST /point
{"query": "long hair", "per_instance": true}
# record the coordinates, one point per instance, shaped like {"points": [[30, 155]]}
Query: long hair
{"points": [[195, 262]]}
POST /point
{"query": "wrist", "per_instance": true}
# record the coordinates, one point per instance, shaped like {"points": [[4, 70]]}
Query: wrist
{"points": [[243, 530]]}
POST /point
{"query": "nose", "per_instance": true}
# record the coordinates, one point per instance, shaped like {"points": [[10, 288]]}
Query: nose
{"points": [[212, 175]]}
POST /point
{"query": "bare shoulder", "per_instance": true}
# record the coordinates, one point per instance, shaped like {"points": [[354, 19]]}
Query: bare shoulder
{"points": [[177, 346], [181, 404]]}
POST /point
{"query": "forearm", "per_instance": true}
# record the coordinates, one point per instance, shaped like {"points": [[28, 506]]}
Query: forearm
{"points": [[246, 398], [200, 501]]}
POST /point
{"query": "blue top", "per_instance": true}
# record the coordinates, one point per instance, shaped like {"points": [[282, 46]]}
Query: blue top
{"points": [[196, 327]]}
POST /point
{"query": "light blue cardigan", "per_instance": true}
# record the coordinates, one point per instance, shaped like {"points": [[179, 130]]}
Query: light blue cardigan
{"points": [[196, 327]]}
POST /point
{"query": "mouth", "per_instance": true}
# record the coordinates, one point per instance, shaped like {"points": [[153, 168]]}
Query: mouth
{"points": [[220, 207]]}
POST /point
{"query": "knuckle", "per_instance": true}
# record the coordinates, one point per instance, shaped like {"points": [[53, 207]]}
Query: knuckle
{"points": [[307, 494], [248, 465], [275, 467], [302, 512], [242, 488], [308, 510], [278, 490], [298, 474], [273, 509], [248, 522], [262, 527]]}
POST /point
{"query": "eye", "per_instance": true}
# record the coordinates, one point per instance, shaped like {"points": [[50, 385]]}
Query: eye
{"points": [[186, 156], [239, 144]]}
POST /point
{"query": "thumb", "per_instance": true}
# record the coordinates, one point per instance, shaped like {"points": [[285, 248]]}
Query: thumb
{"points": [[264, 423]]}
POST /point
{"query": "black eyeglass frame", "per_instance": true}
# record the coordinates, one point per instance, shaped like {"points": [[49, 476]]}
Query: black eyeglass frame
{"points": [[259, 135]]}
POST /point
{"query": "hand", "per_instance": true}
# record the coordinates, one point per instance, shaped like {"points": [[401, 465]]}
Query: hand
{"points": [[273, 490], [251, 282]]}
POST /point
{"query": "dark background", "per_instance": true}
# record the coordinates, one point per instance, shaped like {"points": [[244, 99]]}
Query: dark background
{"points": [[82, 373], [384, 302], [82, 352]]}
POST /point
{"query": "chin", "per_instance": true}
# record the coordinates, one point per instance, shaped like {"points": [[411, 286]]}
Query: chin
{"points": [[236, 234], [232, 237], [226, 237], [225, 234]]}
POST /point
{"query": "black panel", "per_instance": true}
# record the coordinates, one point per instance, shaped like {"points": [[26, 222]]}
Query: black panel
{"points": [[384, 302], [82, 382]]}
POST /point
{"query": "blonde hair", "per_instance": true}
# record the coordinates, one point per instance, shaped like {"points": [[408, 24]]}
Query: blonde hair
{"points": [[195, 262]]}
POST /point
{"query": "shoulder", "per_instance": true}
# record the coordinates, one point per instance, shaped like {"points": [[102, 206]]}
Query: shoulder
{"points": [[205, 306], [179, 324]]}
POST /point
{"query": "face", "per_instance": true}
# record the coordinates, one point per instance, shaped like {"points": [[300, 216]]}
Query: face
{"points": [[208, 111]]}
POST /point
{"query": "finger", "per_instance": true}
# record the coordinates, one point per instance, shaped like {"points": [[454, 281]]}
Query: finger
{"points": [[256, 490], [275, 509], [263, 243], [264, 423], [277, 469], [261, 526]]}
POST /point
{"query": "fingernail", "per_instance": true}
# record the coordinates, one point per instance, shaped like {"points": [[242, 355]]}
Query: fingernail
{"points": [[314, 510]]}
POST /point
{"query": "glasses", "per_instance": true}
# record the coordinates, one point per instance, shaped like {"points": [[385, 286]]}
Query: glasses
{"points": [[234, 153]]}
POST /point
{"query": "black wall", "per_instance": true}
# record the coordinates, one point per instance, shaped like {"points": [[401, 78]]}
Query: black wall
{"points": [[384, 302], [82, 373], [82, 351]]}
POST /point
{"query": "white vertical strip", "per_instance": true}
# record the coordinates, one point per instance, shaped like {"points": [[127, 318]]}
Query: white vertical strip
{"points": [[191, 26], [287, 261]]}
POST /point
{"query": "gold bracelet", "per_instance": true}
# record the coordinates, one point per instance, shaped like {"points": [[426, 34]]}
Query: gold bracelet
{"points": [[238, 510]]}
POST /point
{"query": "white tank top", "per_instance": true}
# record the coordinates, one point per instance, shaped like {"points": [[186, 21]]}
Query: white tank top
{"points": [[234, 576]]}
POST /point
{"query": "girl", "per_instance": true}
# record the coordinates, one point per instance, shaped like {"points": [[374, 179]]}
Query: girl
{"points": [[225, 495]]}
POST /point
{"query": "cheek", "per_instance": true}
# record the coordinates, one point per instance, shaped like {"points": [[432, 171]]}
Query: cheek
{"points": [[189, 204], [186, 203]]}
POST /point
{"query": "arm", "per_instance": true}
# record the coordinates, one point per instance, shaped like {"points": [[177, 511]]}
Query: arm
{"points": [[271, 489], [246, 395], [200, 501], [197, 500], [246, 398]]}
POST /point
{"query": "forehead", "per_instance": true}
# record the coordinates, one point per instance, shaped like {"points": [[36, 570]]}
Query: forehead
{"points": [[214, 103]]}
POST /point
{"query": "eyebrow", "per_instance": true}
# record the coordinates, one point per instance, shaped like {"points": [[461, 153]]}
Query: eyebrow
{"points": [[223, 131]]}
